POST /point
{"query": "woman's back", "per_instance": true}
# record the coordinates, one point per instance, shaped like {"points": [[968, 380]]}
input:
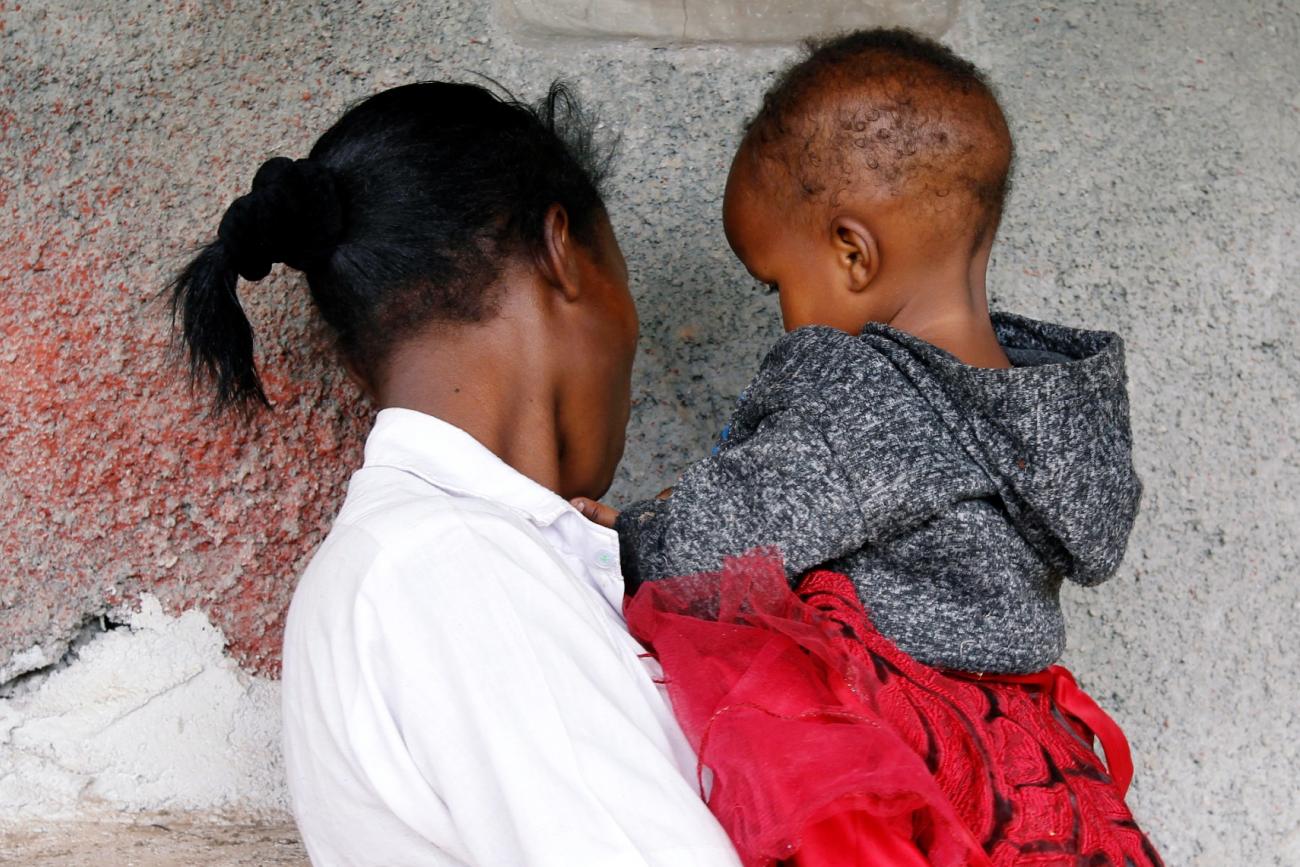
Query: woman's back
{"points": [[459, 684], [454, 662]]}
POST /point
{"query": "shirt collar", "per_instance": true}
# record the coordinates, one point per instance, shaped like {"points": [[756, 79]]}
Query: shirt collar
{"points": [[449, 458]]}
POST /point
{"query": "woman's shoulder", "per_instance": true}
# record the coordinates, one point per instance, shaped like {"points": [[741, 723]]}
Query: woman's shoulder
{"points": [[393, 526], [457, 560], [399, 511]]}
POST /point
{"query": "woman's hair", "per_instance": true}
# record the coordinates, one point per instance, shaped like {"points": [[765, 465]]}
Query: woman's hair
{"points": [[400, 216]]}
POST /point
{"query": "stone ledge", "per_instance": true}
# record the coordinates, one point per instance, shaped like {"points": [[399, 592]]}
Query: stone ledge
{"points": [[154, 840], [731, 21]]}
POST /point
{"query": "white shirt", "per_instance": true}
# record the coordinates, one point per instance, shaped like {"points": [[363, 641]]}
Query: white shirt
{"points": [[459, 684]]}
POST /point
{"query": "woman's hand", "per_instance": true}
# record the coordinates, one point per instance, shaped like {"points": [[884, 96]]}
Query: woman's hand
{"points": [[596, 512]]}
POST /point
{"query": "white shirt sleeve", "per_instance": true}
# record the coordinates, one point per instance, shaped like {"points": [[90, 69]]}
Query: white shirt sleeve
{"points": [[490, 678]]}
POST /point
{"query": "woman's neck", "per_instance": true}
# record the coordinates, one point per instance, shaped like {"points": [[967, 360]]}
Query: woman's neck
{"points": [[488, 380]]}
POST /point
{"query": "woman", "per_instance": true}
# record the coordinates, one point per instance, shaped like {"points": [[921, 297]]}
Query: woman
{"points": [[459, 684]]}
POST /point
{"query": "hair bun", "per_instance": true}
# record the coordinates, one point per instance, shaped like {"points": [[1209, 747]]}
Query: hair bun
{"points": [[292, 215]]}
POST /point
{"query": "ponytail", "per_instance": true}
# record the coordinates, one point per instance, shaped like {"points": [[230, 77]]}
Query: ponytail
{"points": [[292, 215], [215, 331]]}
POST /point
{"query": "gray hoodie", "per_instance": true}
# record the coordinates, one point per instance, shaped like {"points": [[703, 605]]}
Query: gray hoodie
{"points": [[956, 498]]}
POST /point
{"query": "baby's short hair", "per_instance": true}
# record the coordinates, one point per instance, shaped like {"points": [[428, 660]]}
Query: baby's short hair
{"points": [[893, 109]]}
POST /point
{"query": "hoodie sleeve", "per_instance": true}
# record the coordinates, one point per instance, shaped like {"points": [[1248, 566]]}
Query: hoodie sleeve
{"points": [[780, 487]]}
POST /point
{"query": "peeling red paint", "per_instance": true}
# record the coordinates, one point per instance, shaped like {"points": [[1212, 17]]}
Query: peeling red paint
{"points": [[135, 488], [114, 481]]}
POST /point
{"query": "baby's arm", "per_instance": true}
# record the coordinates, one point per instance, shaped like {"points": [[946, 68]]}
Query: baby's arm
{"points": [[780, 487]]}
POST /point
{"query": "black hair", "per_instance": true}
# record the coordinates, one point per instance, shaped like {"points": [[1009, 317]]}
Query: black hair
{"points": [[399, 216], [889, 97]]}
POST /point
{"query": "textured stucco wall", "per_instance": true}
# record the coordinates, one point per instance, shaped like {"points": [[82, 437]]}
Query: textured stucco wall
{"points": [[1156, 194]]}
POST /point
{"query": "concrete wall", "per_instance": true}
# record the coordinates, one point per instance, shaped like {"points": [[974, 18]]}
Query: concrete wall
{"points": [[1156, 194]]}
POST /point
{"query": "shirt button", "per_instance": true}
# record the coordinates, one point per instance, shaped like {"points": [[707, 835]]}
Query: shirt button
{"points": [[606, 559]]}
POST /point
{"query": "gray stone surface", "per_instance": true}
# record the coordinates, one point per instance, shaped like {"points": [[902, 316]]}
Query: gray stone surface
{"points": [[1156, 194], [732, 21]]}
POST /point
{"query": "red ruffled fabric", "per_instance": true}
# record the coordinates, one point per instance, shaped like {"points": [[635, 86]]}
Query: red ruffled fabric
{"points": [[829, 746]]}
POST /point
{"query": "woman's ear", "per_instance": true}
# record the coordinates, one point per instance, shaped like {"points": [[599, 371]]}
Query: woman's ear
{"points": [[361, 382], [856, 248], [558, 257]]}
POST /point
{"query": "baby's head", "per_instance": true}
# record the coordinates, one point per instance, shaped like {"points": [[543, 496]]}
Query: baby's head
{"points": [[871, 182]]}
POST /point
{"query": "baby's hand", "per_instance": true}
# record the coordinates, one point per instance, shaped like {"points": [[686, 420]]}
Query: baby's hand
{"points": [[597, 513]]}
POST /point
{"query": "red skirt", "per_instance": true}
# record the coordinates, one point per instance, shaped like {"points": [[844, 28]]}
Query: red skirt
{"points": [[827, 745]]}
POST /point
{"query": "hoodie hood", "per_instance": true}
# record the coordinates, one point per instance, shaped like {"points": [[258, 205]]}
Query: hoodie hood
{"points": [[1052, 433], [916, 431]]}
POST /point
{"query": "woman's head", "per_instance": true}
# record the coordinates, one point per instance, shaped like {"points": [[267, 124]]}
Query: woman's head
{"points": [[404, 217]]}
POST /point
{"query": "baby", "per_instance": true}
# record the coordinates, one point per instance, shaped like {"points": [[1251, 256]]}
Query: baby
{"points": [[956, 465]]}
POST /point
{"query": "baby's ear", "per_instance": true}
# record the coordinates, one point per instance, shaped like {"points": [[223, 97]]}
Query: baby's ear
{"points": [[855, 246]]}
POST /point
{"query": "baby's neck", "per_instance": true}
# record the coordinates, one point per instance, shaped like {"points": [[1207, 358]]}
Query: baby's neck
{"points": [[970, 338], [945, 303], [957, 322]]}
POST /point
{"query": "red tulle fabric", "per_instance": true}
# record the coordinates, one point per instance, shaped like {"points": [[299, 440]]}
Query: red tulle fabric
{"points": [[827, 746]]}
